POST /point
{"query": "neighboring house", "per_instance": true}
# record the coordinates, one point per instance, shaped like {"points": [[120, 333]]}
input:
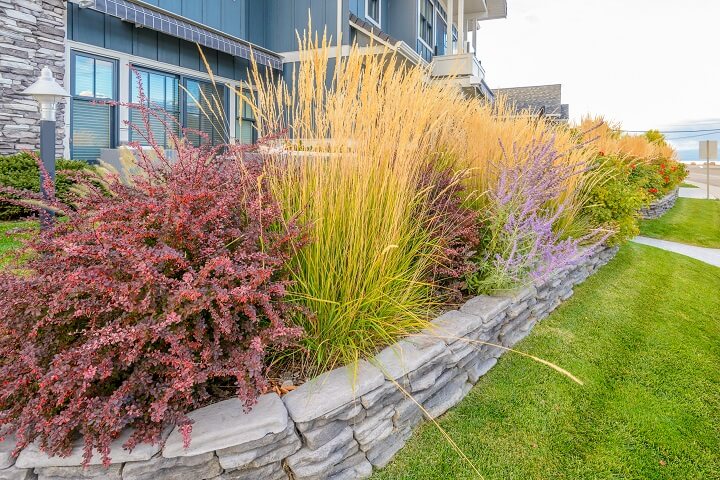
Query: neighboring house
{"points": [[97, 47], [540, 100]]}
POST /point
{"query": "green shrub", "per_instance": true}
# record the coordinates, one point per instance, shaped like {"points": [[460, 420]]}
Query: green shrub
{"points": [[21, 171], [615, 202]]}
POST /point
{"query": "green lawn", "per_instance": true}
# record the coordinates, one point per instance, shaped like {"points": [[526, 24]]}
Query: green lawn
{"points": [[10, 240], [644, 335], [688, 185], [691, 221]]}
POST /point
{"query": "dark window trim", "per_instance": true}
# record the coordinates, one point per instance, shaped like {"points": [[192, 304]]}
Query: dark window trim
{"points": [[133, 82], [114, 118]]}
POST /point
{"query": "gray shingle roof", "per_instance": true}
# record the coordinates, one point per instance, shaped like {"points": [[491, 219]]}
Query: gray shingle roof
{"points": [[538, 99]]}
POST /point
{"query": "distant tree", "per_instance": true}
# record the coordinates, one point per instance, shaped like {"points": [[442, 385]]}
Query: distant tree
{"points": [[655, 136]]}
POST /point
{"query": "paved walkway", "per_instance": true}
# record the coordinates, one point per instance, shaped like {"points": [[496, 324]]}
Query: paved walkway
{"points": [[707, 255], [700, 192]]}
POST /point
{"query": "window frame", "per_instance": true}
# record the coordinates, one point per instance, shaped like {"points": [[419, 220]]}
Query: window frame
{"points": [[184, 99], [240, 116], [430, 46], [375, 21], [133, 83], [114, 111]]}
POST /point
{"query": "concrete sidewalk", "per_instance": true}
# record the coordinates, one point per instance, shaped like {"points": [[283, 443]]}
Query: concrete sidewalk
{"points": [[700, 192], [708, 255]]}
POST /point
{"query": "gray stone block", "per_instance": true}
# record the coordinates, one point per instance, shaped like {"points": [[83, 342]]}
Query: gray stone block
{"points": [[424, 377], [12, 473], [353, 468], [332, 390], [227, 424], [381, 454], [448, 396], [486, 307], [273, 471], [32, 457], [80, 473], [6, 448], [308, 464], [317, 437], [375, 428], [200, 467], [479, 368], [274, 448], [379, 395], [454, 325], [399, 359]]}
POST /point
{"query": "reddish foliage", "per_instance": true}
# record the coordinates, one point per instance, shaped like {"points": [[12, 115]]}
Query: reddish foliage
{"points": [[455, 227], [149, 298]]}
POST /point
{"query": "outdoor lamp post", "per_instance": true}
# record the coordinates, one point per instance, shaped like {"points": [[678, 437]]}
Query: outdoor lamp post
{"points": [[48, 94]]}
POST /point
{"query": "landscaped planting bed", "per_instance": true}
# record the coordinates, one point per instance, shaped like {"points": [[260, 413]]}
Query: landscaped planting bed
{"points": [[186, 318], [343, 423]]}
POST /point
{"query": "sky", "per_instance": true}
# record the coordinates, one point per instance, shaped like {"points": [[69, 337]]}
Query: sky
{"points": [[643, 63]]}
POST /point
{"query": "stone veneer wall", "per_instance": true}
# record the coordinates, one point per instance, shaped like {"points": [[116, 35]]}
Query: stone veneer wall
{"points": [[32, 35], [660, 207], [338, 425]]}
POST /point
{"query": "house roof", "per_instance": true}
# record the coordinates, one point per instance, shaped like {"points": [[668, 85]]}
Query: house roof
{"points": [[537, 99]]}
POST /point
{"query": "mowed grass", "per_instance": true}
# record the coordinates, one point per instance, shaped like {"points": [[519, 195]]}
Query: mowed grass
{"points": [[644, 336], [10, 238], [688, 185], [691, 221]]}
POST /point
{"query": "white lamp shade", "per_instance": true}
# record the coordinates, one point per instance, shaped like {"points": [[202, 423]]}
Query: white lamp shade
{"points": [[47, 92]]}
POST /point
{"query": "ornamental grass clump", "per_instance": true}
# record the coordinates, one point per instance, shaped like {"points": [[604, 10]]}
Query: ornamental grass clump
{"points": [[361, 166], [148, 300]]}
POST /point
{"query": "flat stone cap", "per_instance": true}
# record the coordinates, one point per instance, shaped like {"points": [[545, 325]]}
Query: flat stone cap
{"points": [[32, 457], [332, 390], [404, 357], [227, 424]]}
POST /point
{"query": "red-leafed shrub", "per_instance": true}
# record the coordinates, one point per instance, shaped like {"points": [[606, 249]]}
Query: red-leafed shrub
{"points": [[143, 303], [454, 226]]}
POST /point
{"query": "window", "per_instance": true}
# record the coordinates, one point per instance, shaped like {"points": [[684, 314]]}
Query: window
{"points": [[245, 128], [162, 94], [372, 11], [205, 112], [427, 14], [441, 32], [92, 124]]}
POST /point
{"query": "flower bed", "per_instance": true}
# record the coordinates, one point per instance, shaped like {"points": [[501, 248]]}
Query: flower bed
{"points": [[209, 276], [343, 423]]}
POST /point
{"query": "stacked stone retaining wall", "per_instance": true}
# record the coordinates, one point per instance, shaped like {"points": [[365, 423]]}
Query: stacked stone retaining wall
{"points": [[342, 424], [660, 207]]}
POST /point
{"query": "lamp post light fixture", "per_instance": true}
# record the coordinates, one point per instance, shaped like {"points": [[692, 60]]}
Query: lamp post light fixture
{"points": [[48, 94]]}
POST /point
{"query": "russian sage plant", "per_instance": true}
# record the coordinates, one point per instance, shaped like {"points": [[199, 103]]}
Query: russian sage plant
{"points": [[519, 239]]}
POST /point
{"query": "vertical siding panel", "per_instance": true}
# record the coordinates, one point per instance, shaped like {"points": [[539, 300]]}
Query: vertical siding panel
{"points": [[91, 27], [174, 6], [169, 50], [146, 43], [192, 9], [212, 13]]}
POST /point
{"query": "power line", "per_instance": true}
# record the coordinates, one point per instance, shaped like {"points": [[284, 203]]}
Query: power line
{"points": [[692, 136], [673, 131]]}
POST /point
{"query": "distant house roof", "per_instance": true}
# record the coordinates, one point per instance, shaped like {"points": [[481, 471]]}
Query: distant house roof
{"points": [[538, 100]]}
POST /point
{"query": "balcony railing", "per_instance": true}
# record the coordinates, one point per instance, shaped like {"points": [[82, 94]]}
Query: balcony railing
{"points": [[463, 66]]}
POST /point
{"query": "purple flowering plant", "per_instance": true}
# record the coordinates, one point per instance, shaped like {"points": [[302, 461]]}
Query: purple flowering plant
{"points": [[520, 241]]}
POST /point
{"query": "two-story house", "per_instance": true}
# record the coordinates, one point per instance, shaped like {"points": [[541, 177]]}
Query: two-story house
{"points": [[96, 48]]}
